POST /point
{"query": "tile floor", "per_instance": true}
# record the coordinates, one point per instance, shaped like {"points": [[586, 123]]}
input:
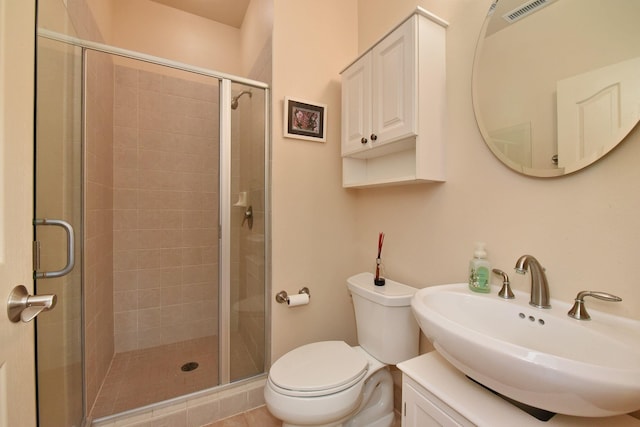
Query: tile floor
{"points": [[261, 417], [257, 417], [142, 377]]}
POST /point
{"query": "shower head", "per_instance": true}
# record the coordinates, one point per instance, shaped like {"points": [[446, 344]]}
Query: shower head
{"points": [[234, 100]]}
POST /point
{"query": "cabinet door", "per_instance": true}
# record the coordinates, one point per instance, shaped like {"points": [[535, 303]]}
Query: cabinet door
{"points": [[356, 106], [420, 412], [394, 84]]}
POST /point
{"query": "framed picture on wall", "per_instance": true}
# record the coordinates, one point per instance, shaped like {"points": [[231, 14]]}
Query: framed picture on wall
{"points": [[305, 120]]}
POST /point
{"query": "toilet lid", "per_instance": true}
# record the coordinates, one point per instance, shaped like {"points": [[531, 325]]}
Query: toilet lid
{"points": [[318, 367]]}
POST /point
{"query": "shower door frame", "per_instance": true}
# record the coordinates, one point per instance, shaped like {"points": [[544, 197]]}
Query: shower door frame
{"points": [[224, 225]]}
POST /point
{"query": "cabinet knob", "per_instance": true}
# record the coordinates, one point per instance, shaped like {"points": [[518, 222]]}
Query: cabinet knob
{"points": [[374, 137], [363, 140]]}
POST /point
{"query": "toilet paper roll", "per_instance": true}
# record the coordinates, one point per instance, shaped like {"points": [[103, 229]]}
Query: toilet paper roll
{"points": [[299, 299]]}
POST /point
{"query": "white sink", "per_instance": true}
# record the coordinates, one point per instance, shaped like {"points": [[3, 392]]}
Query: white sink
{"points": [[540, 357]]}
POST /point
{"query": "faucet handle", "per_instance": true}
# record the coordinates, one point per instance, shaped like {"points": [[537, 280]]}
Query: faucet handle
{"points": [[579, 310], [505, 291]]}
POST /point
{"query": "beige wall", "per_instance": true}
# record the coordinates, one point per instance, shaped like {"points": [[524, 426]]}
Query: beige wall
{"points": [[582, 227], [314, 219], [156, 29], [255, 36], [53, 15]]}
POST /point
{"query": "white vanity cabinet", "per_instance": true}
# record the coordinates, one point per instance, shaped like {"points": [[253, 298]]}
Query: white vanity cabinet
{"points": [[434, 394], [422, 409], [393, 107]]}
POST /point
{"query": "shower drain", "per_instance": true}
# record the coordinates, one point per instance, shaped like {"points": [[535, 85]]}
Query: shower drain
{"points": [[190, 366]]}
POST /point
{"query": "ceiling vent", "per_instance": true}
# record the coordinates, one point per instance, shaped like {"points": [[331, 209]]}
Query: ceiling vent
{"points": [[525, 9]]}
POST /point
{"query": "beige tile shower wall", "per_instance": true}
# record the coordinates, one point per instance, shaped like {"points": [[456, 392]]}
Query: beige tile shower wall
{"points": [[98, 261], [165, 209]]}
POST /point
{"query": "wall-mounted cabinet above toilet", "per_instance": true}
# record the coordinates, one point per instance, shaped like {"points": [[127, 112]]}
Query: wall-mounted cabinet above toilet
{"points": [[394, 107]]}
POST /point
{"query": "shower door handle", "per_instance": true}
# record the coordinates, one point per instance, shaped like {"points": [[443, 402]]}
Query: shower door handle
{"points": [[70, 250]]}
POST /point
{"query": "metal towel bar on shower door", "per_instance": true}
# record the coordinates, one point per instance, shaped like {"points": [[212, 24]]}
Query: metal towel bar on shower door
{"points": [[70, 250]]}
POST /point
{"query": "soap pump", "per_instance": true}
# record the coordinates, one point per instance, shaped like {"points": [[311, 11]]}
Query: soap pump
{"points": [[479, 270]]}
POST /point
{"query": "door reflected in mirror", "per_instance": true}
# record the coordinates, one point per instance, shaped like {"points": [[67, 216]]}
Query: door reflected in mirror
{"points": [[556, 83]]}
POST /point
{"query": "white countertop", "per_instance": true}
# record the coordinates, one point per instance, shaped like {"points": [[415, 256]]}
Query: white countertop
{"points": [[482, 407]]}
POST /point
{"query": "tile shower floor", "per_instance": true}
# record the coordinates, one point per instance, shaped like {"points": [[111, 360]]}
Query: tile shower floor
{"points": [[142, 377]]}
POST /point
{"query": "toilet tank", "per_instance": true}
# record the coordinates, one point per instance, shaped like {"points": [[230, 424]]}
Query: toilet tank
{"points": [[386, 327]]}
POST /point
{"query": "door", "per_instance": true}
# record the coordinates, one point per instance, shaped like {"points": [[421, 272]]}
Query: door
{"points": [[596, 110], [356, 106], [246, 295], [393, 74], [423, 409], [17, 375], [58, 185]]}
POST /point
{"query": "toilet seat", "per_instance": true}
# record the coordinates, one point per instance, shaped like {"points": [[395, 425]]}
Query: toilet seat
{"points": [[318, 369]]}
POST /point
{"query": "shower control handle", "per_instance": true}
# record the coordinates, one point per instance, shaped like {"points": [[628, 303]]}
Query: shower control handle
{"points": [[25, 307], [248, 217]]}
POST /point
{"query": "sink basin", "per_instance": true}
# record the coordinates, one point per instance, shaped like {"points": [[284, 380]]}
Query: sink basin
{"points": [[542, 358]]}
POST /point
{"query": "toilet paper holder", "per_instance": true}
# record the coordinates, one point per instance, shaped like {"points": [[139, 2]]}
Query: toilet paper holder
{"points": [[282, 296]]}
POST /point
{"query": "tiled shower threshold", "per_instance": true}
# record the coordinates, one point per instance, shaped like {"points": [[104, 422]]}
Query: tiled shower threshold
{"points": [[198, 409]]}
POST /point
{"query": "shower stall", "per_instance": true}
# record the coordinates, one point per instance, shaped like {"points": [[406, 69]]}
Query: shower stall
{"points": [[162, 170]]}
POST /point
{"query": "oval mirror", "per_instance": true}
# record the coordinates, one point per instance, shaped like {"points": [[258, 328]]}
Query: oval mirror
{"points": [[556, 83]]}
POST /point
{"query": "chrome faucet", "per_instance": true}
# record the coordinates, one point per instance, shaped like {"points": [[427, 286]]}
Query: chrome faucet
{"points": [[539, 285]]}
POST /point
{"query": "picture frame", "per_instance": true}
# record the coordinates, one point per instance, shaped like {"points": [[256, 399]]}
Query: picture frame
{"points": [[305, 120]]}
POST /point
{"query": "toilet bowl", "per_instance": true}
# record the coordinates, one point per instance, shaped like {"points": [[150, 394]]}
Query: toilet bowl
{"points": [[329, 383], [326, 383]]}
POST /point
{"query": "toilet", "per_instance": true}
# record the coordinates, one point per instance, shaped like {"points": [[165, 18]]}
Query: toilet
{"points": [[331, 384]]}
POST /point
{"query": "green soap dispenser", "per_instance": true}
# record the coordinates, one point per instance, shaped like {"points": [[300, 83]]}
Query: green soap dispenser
{"points": [[479, 270]]}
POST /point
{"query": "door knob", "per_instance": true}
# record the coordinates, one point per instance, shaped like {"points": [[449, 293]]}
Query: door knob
{"points": [[25, 307]]}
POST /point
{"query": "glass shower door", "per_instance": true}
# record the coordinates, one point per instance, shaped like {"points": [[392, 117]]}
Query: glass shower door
{"points": [[130, 154], [247, 308], [58, 183]]}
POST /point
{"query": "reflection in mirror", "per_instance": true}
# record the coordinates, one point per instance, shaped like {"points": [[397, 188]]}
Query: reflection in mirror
{"points": [[556, 83]]}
